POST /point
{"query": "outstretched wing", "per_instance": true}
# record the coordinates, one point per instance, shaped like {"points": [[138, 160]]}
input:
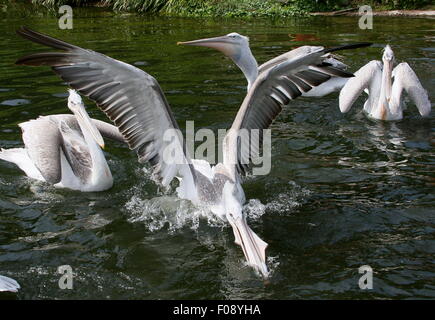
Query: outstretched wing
{"points": [[107, 130], [76, 152], [368, 77], [8, 284], [43, 141], [405, 78], [275, 87], [130, 97], [299, 52], [335, 69], [292, 54]]}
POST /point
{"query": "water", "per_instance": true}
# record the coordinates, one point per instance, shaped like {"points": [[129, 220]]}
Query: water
{"points": [[344, 191]]}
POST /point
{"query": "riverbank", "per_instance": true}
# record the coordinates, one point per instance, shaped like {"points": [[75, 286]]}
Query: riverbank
{"points": [[384, 13]]}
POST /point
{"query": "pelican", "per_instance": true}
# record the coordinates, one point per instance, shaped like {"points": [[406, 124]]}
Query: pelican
{"points": [[8, 284], [236, 47], [64, 150], [135, 102], [385, 96]]}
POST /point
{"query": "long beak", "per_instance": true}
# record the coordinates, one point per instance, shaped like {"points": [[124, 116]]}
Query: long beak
{"points": [[389, 71], [222, 44], [84, 118], [253, 247]]}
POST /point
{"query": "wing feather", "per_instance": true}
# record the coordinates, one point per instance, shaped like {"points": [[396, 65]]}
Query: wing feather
{"points": [[131, 98], [43, 141], [292, 54], [405, 78], [8, 284], [330, 66], [365, 78], [76, 152], [107, 130], [275, 87]]}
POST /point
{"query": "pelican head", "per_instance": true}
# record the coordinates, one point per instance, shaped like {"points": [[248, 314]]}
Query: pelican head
{"points": [[234, 46], [75, 104], [253, 247], [388, 54], [388, 58]]}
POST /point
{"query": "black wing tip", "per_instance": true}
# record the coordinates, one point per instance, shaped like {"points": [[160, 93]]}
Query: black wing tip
{"points": [[27, 33], [22, 30], [20, 61], [341, 73], [349, 46], [44, 39]]}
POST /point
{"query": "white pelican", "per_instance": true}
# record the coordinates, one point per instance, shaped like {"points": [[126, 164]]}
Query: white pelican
{"points": [[236, 47], [384, 101], [8, 284], [134, 101], [64, 150]]}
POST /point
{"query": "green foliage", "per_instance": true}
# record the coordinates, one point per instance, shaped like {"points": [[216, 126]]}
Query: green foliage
{"points": [[230, 8], [237, 8], [52, 3], [216, 8], [137, 5]]}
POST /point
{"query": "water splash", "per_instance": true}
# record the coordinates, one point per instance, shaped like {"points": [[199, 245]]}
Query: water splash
{"points": [[169, 212], [272, 264], [254, 209], [286, 202]]}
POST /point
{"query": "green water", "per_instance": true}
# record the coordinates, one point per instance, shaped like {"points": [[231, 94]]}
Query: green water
{"points": [[344, 191]]}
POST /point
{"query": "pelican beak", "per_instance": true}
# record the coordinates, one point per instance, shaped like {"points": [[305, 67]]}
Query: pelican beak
{"points": [[388, 90], [253, 247], [223, 44], [90, 126], [389, 65]]}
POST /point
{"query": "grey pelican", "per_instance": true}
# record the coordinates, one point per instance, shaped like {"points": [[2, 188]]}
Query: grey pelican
{"points": [[236, 47], [8, 284], [64, 150], [134, 101], [385, 96]]}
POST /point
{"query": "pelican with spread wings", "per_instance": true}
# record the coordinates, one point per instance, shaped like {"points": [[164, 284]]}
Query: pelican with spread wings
{"points": [[134, 101]]}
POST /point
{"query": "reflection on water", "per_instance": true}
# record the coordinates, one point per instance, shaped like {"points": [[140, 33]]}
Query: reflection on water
{"points": [[344, 190]]}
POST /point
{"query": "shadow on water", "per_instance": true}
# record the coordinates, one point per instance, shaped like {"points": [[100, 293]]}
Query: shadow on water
{"points": [[344, 191]]}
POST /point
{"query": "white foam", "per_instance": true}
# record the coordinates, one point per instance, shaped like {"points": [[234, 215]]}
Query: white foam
{"points": [[168, 211], [254, 209], [287, 201]]}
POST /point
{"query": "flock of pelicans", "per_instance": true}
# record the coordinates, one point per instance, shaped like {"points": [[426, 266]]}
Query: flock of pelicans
{"points": [[65, 150]]}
